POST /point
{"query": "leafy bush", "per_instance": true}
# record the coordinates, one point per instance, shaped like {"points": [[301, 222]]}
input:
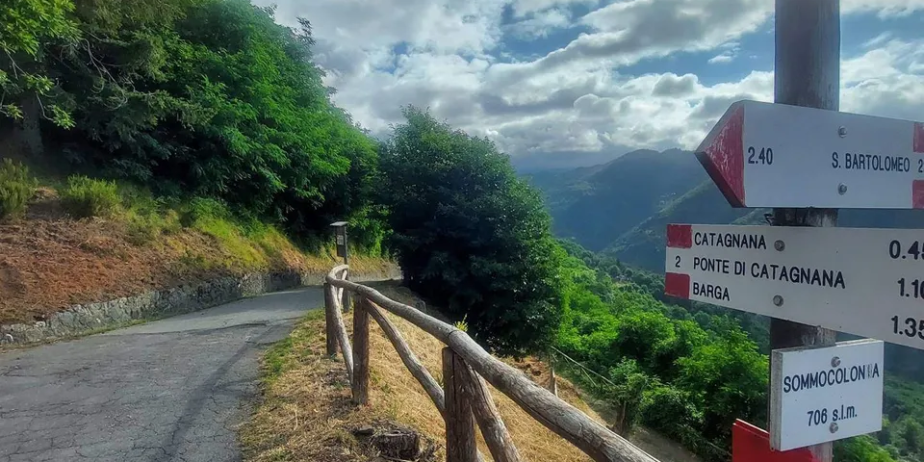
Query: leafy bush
{"points": [[471, 236], [87, 197], [861, 449], [201, 208], [144, 228], [16, 188]]}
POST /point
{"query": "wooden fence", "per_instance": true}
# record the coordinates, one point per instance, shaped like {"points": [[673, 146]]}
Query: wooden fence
{"points": [[466, 399]]}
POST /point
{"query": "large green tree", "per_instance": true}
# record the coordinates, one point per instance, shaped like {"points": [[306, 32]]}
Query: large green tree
{"points": [[470, 235], [211, 98], [29, 29]]}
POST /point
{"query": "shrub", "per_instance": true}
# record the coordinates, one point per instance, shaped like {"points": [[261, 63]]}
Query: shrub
{"points": [[200, 208], [470, 236], [16, 188], [144, 228], [87, 197]]}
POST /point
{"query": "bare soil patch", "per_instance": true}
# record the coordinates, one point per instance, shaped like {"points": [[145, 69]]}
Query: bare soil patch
{"points": [[49, 261]]}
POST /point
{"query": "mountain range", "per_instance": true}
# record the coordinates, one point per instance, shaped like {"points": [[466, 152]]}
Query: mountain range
{"points": [[621, 208]]}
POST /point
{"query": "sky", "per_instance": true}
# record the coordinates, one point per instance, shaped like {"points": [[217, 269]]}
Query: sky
{"points": [[562, 83]]}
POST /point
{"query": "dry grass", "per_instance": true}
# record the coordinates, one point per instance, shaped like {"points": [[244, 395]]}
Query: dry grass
{"points": [[359, 264], [307, 415]]}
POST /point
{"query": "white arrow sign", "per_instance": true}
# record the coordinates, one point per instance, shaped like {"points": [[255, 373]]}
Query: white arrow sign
{"points": [[867, 282], [825, 394], [775, 155]]}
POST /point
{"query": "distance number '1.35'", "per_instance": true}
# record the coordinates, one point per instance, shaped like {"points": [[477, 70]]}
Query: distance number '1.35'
{"points": [[910, 327]]}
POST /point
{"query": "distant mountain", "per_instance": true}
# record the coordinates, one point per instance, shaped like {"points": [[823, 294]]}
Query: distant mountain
{"points": [[643, 245], [595, 205], [622, 208]]}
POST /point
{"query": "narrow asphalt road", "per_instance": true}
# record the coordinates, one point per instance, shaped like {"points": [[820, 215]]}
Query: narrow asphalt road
{"points": [[169, 390]]}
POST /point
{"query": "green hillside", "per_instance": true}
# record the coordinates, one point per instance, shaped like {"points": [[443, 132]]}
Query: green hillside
{"points": [[622, 208], [594, 205], [643, 245]]}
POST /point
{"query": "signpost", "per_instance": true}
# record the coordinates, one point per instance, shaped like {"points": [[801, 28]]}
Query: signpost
{"points": [[806, 160], [343, 250], [807, 73], [867, 282], [776, 155], [818, 395]]}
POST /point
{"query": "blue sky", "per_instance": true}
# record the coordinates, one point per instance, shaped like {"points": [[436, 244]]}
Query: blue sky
{"points": [[578, 82]]}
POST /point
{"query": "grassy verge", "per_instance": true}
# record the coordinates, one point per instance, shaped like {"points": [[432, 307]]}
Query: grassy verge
{"points": [[306, 413]]}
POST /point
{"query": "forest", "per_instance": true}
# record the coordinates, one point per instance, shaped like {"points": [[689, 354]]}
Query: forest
{"points": [[212, 100]]}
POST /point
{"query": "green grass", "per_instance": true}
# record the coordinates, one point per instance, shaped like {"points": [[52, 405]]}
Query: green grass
{"points": [[16, 188], [277, 359], [282, 356], [85, 197]]}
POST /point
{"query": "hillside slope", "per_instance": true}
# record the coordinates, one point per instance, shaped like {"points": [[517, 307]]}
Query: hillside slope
{"points": [[622, 208], [50, 261], [643, 245], [594, 205]]}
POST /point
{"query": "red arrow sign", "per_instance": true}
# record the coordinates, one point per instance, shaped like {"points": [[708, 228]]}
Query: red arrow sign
{"points": [[752, 444], [774, 155]]}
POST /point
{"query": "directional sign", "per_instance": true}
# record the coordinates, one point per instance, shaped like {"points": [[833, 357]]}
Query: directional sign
{"points": [[867, 282], [775, 155], [825, 394]]}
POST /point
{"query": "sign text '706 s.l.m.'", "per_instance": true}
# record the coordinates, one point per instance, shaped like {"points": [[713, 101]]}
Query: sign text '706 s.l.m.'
{"points": [[867, 282], [775, 155], [825, 394]]}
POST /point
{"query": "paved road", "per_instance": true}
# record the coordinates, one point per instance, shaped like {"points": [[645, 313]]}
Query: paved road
{"points": [[170, 390]]}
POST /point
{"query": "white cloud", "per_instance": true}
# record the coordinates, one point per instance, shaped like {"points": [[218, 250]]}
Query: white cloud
{"points": [[887, 81], [522, 8], [573, 101], [884, 8], [541, 23], [731, 52]]}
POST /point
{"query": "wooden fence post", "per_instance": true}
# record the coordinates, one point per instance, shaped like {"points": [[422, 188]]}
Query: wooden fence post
{"points": [[553, 382], [460, 423], [361, 352], [330, 321], [489, 420]]}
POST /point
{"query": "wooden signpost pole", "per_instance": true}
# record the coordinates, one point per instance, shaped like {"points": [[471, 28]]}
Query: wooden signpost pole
{"points": [[807, 73]]}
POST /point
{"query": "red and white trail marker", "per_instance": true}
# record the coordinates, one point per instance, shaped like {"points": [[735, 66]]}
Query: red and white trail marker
{"points": [[752, 444], [867, 282], [775, 155]]}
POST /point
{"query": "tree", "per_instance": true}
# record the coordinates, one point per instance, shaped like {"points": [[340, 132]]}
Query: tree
{"points": [[469, 235], [27, 29], [860, 449], [728, 376], [213, 98]]}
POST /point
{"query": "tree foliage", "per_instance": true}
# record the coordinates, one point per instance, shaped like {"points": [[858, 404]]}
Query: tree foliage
{"points": [[195, 98], [469, 235], [28, 30], [694, 382]]}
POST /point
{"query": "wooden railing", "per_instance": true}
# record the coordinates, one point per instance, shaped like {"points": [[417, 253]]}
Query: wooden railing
{"points": [[466, 399]]}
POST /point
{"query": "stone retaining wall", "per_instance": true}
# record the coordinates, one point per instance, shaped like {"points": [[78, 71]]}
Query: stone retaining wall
{"points": [[81, 319]]}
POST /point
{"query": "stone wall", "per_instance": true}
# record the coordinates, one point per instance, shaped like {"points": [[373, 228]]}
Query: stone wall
{"points": [[82, 319]]}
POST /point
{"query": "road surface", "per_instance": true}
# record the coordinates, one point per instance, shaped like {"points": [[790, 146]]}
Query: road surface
{"points": [[169, 390]]}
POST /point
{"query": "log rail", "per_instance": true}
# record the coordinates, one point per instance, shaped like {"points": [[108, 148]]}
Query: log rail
{"points": [[466, 366]]}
